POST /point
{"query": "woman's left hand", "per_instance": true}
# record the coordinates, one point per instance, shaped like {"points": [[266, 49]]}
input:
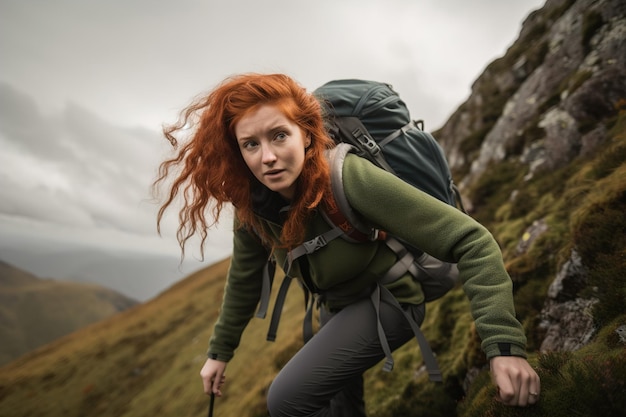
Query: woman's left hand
{"points": [[517, 382]]}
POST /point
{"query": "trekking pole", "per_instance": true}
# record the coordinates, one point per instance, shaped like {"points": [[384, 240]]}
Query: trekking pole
{"points": [[211, 404]]}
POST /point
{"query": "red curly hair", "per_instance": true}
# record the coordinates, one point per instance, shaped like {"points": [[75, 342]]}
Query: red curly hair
{"points": [[211, 169]]}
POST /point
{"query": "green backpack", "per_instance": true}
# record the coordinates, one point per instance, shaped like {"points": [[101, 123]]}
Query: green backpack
{"points": [[369, 119], [372, 117]]}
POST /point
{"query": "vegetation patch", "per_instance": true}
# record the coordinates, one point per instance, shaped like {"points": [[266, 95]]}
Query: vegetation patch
{"points": [[470, 145], [592, 22], [562, 373], [494, 188], [559, 10], [571, 83]]}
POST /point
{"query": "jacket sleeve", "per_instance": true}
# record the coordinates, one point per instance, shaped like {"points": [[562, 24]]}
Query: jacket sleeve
{"points": [[241, 293], [448, 234]]}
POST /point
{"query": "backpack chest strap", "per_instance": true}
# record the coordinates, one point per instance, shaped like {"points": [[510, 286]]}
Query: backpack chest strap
{"points": [[312, 245]]}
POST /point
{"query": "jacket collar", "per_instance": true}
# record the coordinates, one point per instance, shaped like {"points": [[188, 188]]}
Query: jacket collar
{"points": [[269, 205]]}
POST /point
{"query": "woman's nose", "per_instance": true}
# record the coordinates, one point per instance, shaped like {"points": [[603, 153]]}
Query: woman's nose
{"points": [[268, 155]]}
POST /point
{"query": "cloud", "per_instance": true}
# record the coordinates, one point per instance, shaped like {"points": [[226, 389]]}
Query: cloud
{"points": [[22, 123], [74, 167], [139, 62]]}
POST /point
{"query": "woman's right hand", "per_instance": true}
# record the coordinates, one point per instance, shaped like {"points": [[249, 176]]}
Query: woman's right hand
{"points": [[213, 376]]}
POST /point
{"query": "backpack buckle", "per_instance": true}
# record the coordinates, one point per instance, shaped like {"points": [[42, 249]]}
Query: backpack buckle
{"points": [[314, 244], [367, 142]]}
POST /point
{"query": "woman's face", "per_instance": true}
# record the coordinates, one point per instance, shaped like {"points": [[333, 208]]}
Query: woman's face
{"points": [[273, 148]]}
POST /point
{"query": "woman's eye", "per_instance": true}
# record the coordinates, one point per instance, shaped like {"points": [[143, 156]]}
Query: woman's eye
{"points": [[249, 145], [281, 135]]}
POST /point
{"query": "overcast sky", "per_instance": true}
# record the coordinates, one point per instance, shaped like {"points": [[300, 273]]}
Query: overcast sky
{"points": [[85, 86]]}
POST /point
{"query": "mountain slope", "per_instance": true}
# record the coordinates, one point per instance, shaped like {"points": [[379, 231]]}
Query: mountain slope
{"points": [[146, 361], [36, 311]]}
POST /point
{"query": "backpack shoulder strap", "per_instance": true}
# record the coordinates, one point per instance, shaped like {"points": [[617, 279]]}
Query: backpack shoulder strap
{"points": [[344, 215], [341, 222]]}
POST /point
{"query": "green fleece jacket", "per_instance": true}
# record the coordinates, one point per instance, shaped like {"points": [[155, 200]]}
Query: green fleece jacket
{"points": [[345, 270]]}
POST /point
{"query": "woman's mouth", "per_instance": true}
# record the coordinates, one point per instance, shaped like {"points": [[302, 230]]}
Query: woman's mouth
{"points": [[273, 173]]}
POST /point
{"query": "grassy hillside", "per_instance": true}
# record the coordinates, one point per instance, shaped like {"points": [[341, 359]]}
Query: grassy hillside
{"points": [[146, 361], [36, 311]]}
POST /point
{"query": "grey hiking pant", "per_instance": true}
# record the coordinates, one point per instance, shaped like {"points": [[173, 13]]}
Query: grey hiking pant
{"points": [[325, 378]]}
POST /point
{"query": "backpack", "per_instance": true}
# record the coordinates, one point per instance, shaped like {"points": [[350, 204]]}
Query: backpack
{"points": [[369, 119], [372, 117]]}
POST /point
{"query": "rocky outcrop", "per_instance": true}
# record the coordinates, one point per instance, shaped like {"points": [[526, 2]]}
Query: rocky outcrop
{"points": [[566, 322], [549, 100], [566, 317], [545, 102]]}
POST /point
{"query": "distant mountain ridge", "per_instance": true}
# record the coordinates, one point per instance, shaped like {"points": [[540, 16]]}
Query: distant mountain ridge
{"points": [[36, 311], [138, 275]]}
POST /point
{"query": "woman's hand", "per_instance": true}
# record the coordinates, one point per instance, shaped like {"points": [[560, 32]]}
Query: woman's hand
{"points": [[516, 381], [213, 376]]}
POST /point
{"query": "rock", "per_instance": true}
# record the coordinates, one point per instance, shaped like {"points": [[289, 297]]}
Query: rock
{"points": [[568, 326], [569, 281], [538, 228], [621, 333], [566, 318]]}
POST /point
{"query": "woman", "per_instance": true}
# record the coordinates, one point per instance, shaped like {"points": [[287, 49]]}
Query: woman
{"points": [[259, 142]]}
